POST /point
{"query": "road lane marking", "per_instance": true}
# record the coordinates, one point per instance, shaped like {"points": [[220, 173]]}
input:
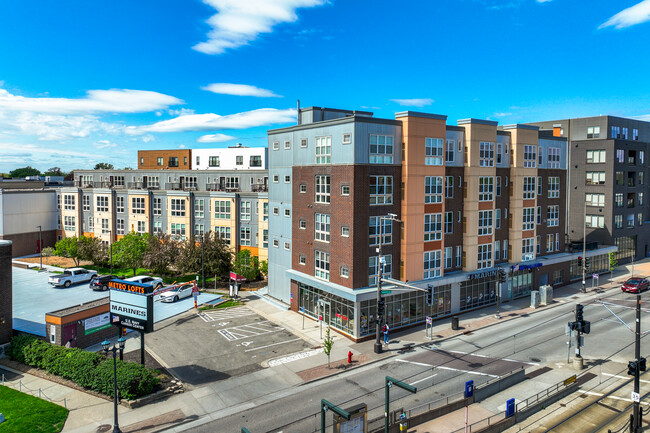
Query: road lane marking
{"points": [[294, 357], [614, 397], [422, 380], [415, 363], [624, 378], [467, 371], [269, 345], [482, 356]]}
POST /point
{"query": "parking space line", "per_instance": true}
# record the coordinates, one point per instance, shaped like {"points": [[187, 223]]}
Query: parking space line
{"points": [[269, 345], [422, 380], [250, 330]]}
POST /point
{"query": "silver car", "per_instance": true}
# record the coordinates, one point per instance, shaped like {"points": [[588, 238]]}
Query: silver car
{"points": [[176, 293]]}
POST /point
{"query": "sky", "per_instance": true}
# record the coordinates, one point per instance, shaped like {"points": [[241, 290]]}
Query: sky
{"points": [[83, 82]]}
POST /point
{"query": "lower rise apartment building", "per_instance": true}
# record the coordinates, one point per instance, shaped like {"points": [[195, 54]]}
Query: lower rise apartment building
{"points": [[107, 204], [470, 198]]}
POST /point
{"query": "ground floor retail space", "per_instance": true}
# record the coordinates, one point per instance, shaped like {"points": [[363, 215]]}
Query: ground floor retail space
{"points": [[354, 314]]}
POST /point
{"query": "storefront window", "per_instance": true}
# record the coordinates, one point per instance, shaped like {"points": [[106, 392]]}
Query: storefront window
{"points": [[336, 311], [477, 292]]}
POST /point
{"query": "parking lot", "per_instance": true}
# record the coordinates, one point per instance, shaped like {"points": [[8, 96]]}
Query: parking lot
{"points": [[33, 297], [214, 345]]}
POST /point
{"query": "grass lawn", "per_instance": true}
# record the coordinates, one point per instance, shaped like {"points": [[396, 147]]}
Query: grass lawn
{"points": [[25, 413], [226, 304]]}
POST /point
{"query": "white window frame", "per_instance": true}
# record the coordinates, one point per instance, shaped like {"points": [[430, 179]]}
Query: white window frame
{"points": [[432, 227]]}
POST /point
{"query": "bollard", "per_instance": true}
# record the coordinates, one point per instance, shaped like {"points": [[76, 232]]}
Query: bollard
{"points": [[3, 379], [20, 385], [39, 392], [65, 404]]}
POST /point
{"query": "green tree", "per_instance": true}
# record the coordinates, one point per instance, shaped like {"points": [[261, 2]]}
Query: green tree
{"points": [[264, 268], [328, 343], [216, 255], [129, 251], [48, 252], [246, 265], [68, 247], [161, 252], [93, 250], [54, 171], [103, 166], [24, 172]]}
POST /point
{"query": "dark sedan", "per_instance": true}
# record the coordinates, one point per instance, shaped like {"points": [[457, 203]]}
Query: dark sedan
{"points": [[635, 285], [101, 282]]}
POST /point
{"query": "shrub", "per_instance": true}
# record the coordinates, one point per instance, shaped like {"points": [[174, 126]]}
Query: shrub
{"points": [[87, 369], [18, 344]]}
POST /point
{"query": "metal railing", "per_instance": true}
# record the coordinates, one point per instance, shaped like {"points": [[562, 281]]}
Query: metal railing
{"points": [[259, 188], [482, 424], [542, 395], [178, 186], [41, 394], [230, 187]]}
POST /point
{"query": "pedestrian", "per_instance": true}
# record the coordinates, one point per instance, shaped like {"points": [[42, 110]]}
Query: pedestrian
{"points": [[386, 337]]}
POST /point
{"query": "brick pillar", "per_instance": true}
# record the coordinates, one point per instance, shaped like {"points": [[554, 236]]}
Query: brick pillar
{"points": [[6, 288]]}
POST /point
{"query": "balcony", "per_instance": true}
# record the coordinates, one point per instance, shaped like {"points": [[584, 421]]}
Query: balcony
{"points": [[136, 185], [227, 187], [260, 187], [178, 186]]}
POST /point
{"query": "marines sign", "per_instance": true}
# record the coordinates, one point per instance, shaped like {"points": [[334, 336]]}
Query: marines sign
{"points": [[131, 305]]}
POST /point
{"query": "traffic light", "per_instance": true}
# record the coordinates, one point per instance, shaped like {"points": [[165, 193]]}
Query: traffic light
{"points": [[502, 276], [587, 263], [579, 310], [579, 261], [429, 295], [632, 368], [641, 364], [586, 327], [380, 307], [572, 326]]}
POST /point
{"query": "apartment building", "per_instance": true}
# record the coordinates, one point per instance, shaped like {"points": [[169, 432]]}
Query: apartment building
{"points": [[107, 204], [175, 159], [608, 191], [236, 157], [471, 198]]}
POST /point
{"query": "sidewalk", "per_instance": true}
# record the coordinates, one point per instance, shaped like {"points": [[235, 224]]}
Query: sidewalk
{"points": [[88, 413]]}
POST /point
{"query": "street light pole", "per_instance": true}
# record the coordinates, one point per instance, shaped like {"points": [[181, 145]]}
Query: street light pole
{"points": [[380, 264], [40, 244], [584, 252], [110, 247], [114, 349], [202, 262]]}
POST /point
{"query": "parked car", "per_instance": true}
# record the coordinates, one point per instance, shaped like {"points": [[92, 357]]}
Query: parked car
{"points": [[178, 292], [156, 282], [635, 285], [72, 276], [101, 282]]}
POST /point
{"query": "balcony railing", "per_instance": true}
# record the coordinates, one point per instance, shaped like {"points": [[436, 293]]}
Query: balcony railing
{"points": [[177, 186], [228, 187], [136, 185], [260, 187]]}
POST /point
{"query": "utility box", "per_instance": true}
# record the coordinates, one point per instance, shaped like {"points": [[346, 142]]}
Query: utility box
{"points": [[546, 295], [534, 299]]}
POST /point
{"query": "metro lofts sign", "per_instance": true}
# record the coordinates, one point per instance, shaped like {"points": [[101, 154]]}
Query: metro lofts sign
{"points": [[131, 305]]}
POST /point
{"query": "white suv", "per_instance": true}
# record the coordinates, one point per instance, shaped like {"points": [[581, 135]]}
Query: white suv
{"points": [[156, 282]]}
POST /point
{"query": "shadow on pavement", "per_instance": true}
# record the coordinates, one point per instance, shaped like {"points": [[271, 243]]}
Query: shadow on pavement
{"points": [[198, 375]]}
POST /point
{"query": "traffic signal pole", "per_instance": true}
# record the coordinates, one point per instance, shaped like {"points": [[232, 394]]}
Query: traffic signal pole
{"points": [[584, 252]]}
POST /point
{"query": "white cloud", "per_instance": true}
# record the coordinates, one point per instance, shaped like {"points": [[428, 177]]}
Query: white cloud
{"points": [[637, 14], [502, 114], [239, 90], [417, 102], [543, 1], [179, 112], [54, 127], [103, 144], [96, 101], [13, 149], [181, 146], [211, 121], [215, 138], [239, 22], [147, 138]]}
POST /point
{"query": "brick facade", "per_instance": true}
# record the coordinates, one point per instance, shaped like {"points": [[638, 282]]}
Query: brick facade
{"points": [[148, 159]]}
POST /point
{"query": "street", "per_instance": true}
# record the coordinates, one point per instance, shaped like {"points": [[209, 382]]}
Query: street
{"points": [[441, 369]]}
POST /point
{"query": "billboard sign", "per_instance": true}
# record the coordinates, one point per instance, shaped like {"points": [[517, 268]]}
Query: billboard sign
{"points": [[97, 323], [131, 305]]}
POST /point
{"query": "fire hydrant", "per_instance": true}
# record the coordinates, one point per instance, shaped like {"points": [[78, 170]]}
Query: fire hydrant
{"points": [[350, 357]]}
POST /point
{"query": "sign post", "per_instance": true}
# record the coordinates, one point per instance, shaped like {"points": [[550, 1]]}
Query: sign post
{"points": [[469, 392], [195, 294]]}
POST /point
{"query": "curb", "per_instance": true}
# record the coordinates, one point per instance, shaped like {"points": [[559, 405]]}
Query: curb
{"points": [[374, 361]]}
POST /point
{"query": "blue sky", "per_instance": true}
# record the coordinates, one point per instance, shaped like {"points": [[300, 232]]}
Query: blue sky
{"points": [[83, 82]]}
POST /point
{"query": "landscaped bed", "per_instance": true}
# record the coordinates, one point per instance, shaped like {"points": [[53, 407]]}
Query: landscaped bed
{"points": [[88, 370], [25, 413]]}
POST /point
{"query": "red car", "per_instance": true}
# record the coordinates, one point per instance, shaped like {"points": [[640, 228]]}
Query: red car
{"points": [[635, 285]]}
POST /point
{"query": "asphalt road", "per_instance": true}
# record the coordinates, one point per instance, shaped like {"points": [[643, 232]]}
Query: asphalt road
{"points": [[440, 370], [215, 345]]}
